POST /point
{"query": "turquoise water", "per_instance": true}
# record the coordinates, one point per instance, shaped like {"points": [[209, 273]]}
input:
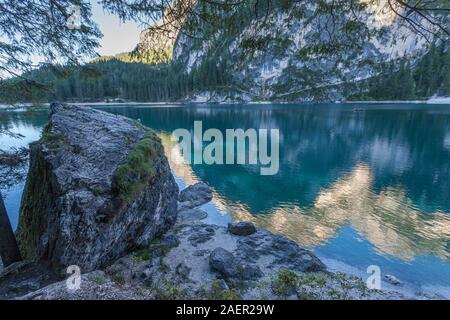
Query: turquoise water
{"points": [[362, 184]]}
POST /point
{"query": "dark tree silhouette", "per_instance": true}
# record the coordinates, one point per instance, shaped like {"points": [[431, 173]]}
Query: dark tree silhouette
{"points": [[12, 170], [9, 251]]}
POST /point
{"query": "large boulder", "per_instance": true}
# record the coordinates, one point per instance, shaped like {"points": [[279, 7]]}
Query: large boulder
{"points": [[98, 187]]}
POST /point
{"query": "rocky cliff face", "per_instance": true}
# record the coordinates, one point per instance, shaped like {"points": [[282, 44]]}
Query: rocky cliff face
{"points": [[98, 187], [301, 51]]}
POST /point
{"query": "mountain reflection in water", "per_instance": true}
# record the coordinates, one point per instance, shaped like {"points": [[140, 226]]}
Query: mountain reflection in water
{"points": [[387, 219]]}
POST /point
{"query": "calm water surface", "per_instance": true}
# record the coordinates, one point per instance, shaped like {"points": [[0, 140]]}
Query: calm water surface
{"points": [[366, 187]]}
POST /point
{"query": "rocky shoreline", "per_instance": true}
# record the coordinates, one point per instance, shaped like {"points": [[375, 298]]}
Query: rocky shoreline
{"points": [[195, 260], [221, 100], [100, 195]]}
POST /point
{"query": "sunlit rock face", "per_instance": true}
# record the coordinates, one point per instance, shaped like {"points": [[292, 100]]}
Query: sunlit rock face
{"points": [[156, 43], [98, 187], [273, 61]]}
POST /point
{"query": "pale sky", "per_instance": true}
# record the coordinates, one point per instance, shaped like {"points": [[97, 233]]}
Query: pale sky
{"points": [[117, 36]]}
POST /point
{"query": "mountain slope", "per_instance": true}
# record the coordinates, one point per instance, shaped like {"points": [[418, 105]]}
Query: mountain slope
{"points": [[302, 53], [280, 50]]}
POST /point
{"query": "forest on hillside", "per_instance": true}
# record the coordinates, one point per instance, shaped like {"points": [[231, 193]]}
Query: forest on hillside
{"points": [[116, 78], [404, 81], [156, 76]]}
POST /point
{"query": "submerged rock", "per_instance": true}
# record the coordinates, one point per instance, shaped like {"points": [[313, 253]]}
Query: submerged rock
{"points": [[392, 279], [194, 196], [98, 187], [244, 228], [191, 215]]}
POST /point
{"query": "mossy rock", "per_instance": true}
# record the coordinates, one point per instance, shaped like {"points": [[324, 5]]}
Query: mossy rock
{"points": [[132, 177], [99, 186]]}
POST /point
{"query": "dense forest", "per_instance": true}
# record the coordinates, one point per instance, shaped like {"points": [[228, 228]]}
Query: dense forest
{"points": [[117, 78], [112, 78], [403, 81]]}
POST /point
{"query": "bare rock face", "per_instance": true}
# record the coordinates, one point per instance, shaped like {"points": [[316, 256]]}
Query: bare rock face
{"points": [[99, 186]]}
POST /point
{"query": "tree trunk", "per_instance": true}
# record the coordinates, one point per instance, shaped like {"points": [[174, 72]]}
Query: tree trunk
{"points": [[9, 251]]}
